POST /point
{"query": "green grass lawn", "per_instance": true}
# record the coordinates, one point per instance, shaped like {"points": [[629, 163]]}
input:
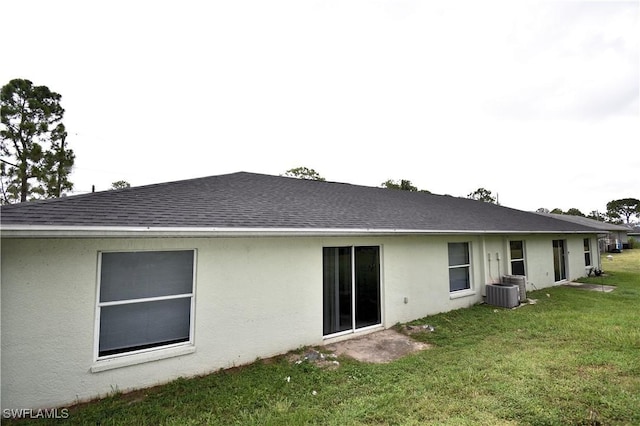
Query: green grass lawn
{"points": [[573, 358]]}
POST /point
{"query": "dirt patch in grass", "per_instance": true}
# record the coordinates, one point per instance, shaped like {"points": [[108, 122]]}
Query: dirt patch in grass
{"points": [[320, 358], [379, 347]]}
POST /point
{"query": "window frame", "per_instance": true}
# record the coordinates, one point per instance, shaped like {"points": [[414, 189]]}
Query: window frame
{"points": [[156, 351], [467, 266], [586, 245], [523, 259]]}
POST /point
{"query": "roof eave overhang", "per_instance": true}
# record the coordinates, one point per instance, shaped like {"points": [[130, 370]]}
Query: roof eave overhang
{"points": [[43, 231]]}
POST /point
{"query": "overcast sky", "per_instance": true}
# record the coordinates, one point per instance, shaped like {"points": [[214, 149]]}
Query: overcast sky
{"points": [[535, 101]]}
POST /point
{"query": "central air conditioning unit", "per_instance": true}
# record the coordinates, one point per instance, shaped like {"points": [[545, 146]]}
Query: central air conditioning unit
{"points": [[505, 296], [519, 280]]}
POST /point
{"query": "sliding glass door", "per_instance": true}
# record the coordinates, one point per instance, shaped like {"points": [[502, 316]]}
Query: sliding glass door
{"points": [[351, 288], [337, 289], [559, 260]]}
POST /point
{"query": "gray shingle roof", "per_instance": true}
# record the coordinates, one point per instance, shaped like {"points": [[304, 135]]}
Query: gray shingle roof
{"points": [[248, 200], [602, 226]]}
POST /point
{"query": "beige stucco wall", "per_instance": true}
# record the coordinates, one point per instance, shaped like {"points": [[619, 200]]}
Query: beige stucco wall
{"points": [[255, 297], [539, 253]]}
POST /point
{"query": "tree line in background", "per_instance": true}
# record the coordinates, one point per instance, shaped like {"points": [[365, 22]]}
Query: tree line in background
{"points": [[36, 162], [618, 211]]}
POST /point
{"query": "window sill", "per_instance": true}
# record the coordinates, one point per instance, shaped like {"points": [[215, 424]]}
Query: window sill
{"points": [[140, 358], [461, 293]]}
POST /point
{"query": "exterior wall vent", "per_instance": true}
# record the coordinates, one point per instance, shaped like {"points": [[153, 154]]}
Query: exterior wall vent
{"points": [[519, 280], [505, 296]]}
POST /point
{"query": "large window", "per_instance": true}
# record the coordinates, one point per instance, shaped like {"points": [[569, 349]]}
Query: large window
{"points": [[516, 254], [351, 288], [145, 300], [587, 252], [459, 267]]}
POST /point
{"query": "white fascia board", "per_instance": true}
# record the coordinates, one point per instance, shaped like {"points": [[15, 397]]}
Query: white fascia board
{"points": [[43, 231], [149, 232]]}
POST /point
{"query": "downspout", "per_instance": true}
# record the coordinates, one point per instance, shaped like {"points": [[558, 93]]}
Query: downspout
{"points": [[484, 255], [599, 253]]}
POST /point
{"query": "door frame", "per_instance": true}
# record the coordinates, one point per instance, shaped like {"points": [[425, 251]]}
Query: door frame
{"points": [[559, 260], [354, 328]]}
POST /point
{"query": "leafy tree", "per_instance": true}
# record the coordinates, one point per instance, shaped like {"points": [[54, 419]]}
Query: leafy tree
{"points": [[574, 212], [120, 184], [625, 207], [304, 173], [482, 194], [596, 215], [33, 143], [403, 184], [9, 187], [557, 211], [58, 161]]}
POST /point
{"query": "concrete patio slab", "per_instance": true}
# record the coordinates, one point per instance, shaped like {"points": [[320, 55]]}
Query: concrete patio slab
{"points": [[591, 287]]}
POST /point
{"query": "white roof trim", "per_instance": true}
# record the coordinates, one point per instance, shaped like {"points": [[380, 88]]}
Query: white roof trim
{"points": [[43, 231]]}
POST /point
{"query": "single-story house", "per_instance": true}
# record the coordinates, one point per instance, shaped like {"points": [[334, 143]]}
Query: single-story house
{"points": [[131, 288], [611, 237]]}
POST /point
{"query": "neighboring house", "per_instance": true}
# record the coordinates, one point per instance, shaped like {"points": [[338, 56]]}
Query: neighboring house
{"points": [[634, 234], [611, 238], [130, 288]]}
